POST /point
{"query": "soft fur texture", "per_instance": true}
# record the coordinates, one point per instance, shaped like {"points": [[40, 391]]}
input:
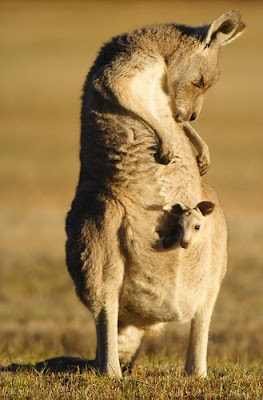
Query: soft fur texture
{"points": [[135, 158]]}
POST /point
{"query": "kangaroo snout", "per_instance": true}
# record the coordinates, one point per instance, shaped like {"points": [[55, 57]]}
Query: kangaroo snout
{"points": [[182, 116], [178, 117], [185, 244]]}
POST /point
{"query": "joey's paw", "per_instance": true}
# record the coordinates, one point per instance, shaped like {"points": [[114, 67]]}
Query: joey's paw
{"points": [[203, 161], [162, 156]]}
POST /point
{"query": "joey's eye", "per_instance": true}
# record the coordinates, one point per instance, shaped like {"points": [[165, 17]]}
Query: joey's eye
{"points": [[180, 226], [200, 84], [197, 227]]}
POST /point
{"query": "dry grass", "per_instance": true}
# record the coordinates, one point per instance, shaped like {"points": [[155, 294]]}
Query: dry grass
{"points": [[46, 50], [155, 380]]}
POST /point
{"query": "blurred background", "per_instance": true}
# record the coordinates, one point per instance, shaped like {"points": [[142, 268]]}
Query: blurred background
{"points": [[46, 50]]}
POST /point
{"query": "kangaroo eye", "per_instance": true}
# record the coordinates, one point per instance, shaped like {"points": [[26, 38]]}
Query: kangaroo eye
{"points": [[180, 226], [197, 227], [200, 84]]}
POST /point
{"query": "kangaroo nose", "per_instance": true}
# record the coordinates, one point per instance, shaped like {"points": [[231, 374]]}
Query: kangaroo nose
{"points": [[193, 117], [185, 244]]}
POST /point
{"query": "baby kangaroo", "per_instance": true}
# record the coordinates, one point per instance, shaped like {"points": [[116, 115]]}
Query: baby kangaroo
{"points": [[186, 225]]}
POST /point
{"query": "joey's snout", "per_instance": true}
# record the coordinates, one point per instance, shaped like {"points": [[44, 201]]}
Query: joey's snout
{"points": [[185, 244]]}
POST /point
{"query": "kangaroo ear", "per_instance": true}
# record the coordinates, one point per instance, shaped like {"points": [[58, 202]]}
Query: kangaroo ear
{"points": [[168, 207], [206, 207], [173, 208], [225, 29], [177, 210]]}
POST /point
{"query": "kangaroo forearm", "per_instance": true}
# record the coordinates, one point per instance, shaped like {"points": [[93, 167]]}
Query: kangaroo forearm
{"points": [[138, 89], [161, 130], [194, 137], [126, 97]]}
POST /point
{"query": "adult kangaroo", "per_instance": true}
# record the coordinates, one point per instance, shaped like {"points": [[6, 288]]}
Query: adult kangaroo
{"points": [[135, 158]]}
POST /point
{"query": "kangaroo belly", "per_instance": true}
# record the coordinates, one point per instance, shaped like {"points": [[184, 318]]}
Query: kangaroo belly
{"points": [[150, 299]]}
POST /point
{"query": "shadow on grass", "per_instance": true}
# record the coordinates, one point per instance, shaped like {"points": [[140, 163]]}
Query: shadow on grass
{"points": [[55, 365]]}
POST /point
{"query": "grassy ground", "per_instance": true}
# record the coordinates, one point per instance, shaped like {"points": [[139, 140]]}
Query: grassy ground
{"points": [[155, 380], [46, 50]]}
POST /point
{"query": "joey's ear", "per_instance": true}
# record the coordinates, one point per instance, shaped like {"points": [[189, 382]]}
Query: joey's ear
{"points": [[168, 207], [177, 210], [224, 29], [206, 207]]}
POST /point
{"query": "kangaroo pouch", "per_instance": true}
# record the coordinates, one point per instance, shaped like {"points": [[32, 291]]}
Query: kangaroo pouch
{"points": [[159, 286]]}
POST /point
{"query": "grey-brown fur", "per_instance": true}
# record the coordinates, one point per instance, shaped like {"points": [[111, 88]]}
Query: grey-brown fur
{"points": [[139, 93]]}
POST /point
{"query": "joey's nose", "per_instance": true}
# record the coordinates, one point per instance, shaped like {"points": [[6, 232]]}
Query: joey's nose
{"points": [[185, 244], [193, 117]]}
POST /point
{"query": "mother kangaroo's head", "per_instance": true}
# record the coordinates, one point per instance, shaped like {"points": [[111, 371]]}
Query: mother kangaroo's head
{"points": [[193, 67]]}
